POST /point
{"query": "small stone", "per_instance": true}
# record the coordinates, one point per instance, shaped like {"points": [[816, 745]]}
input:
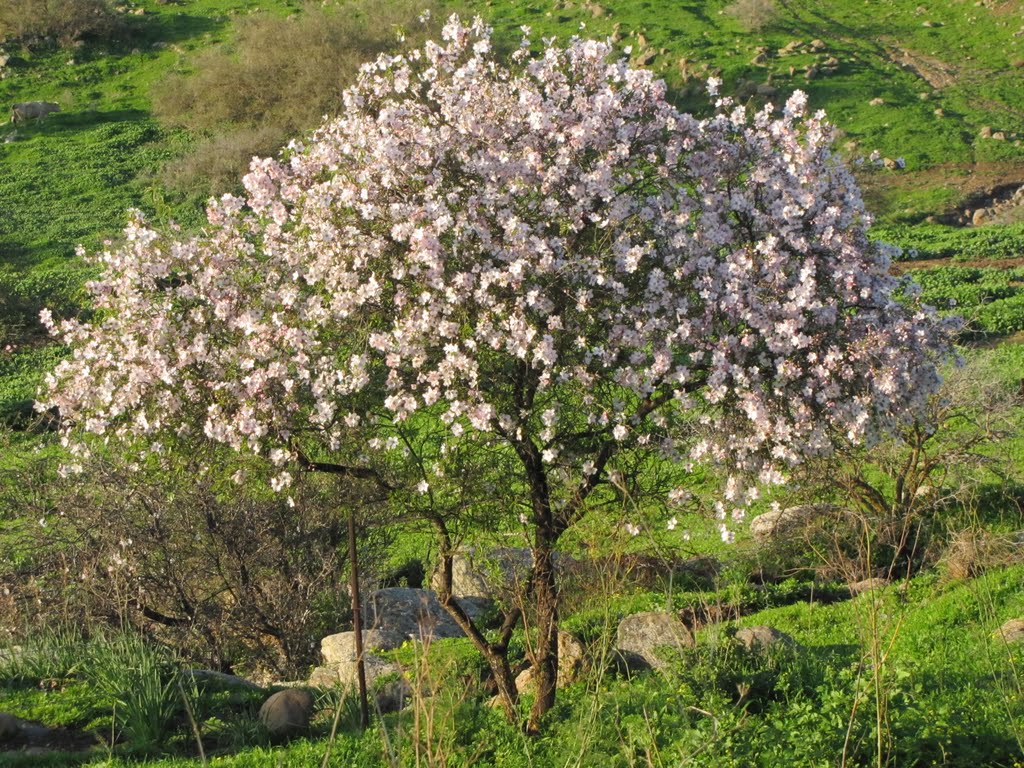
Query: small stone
{"points": [[818, 46], [765, 89], [287, 712], [980, 217], [759, 60], [985, 132], [877, 101], [998, 136], [940, 112], [643, 58]]}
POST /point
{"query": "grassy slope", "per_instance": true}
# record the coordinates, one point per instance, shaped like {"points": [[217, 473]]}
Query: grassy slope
{"points": [[69, 179], [950, 685]]}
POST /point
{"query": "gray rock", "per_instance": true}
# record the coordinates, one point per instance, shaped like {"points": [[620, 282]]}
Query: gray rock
{"points": [[341, 647], [287, 712], [416, 613], [650, 634], [10, 726], [384, 680], [762, 638], [1012, 631], [866, 585], [209, 675], [571, 661], [771, 525]]}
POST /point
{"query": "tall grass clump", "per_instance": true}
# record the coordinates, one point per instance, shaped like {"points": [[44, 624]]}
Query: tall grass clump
{"points": [[141, 681], [276, 80]]}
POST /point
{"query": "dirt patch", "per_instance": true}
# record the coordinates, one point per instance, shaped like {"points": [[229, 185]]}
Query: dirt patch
{"points": [[937, 73], [969, 180]]}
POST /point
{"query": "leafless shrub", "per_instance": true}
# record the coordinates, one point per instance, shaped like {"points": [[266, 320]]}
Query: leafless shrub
{"points": [[896, 496], [230, 576], [66, 22], [274, 82], [752, 15], [972, 551]]}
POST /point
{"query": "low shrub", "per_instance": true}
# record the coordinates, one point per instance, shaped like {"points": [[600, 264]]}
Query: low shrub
{"points": [[35, 23], [229, 577], [753, 15], [275, 81]]}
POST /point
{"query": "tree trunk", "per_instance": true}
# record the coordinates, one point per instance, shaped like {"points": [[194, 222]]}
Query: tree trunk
{"points": [[495, 654], [545, 593]]}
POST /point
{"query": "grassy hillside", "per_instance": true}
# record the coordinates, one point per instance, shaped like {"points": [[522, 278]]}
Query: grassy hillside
{"points": [[905, 80], [911, 674]]}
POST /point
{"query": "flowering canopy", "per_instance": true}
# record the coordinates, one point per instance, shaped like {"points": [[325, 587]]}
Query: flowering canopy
{"points": [[547, 252]]}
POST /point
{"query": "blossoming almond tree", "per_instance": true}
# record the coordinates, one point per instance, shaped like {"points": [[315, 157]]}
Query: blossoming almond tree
{"points": [[545, 261]]}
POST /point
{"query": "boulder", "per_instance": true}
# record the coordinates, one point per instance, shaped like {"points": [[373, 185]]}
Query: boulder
{"points": [[571, 658], [219, 678], [384, 680], [341, 647], [476, 573], [287, 712], [763, 638], [649, 634], [1012, 631], [772, 525], [866, 585], [383, 677], [416, 613]]}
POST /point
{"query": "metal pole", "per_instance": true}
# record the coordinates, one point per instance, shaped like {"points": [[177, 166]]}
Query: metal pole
{"points": [[357, 619]]}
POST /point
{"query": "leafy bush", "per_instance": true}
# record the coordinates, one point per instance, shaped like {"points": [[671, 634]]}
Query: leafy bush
{"points": [[275, 81], [141, 681], [66, 22]]}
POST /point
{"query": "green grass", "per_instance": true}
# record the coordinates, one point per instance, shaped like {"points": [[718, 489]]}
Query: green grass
{"points": [[950, 691]]}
